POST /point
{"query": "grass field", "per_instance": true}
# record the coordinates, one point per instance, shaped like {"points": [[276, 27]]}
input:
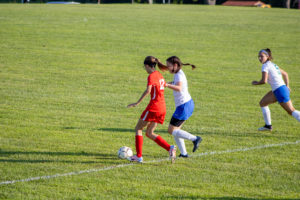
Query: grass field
{"points": [[67, 73]]}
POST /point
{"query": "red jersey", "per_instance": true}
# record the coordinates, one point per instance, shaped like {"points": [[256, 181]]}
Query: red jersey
{"points": [[157, 101]]}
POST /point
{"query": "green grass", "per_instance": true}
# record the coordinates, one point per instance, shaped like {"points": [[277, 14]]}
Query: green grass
{"points": [[67, 73]]}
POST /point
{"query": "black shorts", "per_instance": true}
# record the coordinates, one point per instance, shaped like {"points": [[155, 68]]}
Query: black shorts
{"points": [[176, 122]]}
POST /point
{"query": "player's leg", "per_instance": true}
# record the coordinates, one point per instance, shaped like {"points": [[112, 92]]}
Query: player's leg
{"points": [[181, 146], [283, 97], [269, 98], [156, 138], [160, 141], [179, 141], [289, 108], [154, 118], [141, 124], [177, 132], [181, 114], [150, 130]]}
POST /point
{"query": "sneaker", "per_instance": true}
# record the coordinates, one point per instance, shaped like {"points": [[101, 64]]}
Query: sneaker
{"points": [[183, 156], [135, 159], [172, 153], [265, 128], [196, 143]]}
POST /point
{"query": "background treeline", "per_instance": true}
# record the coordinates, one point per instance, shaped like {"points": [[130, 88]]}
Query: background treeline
{"points": [[118, 1], [274, 3]]}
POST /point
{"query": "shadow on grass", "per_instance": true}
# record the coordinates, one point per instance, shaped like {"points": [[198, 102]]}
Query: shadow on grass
{"points": [[104, 156], [102, 129], [116, 129], [47, 161], [122, 130], [253, 133], [249, 134], [223, 198], [234, 134], [99, 158], [128, 130]]}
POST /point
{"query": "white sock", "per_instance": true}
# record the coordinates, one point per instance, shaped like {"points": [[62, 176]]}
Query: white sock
{"points": [[296, 114], [184, 135], [267, 114], [181, 145]]}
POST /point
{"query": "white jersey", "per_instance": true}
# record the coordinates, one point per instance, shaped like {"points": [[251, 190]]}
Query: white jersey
{"points": [[274, 75], [182, 96]]}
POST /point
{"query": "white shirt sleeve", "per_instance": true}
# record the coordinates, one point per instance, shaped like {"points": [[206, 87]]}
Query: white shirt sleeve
{"points": [[177, 78], [265, 68], [182, 96], [274, 75]]}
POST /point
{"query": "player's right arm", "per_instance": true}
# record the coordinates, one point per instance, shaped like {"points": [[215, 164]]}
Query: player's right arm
{"points": [[146, 92], [176, 87], [264, 79]]}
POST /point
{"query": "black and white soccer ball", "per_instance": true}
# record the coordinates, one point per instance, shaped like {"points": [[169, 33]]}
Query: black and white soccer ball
{"points": [[125, 152]]}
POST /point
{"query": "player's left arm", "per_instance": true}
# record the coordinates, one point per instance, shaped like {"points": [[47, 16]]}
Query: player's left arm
{"points": [[285, 77], [177, 87]]}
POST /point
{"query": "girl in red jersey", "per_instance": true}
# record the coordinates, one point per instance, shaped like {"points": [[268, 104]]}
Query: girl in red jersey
{"points": [[154, 113]]}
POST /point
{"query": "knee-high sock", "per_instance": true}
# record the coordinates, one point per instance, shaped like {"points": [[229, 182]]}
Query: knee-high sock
{"points": [[181, 145], [139, 145], [296, 114], [161, 142], [184, 135], [266, 114]]}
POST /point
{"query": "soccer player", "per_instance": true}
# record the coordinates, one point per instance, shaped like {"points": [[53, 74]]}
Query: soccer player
{"points": [[279, 81], [184, 106], [154, 113]]}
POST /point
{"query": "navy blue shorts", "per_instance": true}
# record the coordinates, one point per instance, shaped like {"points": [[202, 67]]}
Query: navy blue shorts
{"points": [[282, 94]]}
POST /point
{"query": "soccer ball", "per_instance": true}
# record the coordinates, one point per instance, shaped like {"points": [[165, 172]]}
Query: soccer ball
{"points": [[125, 152]]}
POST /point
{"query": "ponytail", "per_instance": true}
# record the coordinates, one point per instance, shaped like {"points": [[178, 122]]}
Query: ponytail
{"points": [[193, 66], [270, 53], [175, 59], [161, 66]]}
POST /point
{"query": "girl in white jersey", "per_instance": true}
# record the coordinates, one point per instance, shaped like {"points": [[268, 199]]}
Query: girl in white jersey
{"points": [[279, 81], [184, 106]]}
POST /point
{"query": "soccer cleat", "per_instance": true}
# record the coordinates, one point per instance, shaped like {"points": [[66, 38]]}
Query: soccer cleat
{"points": [[135, 159], [183, 156], [172, 153], [265, 128], [196, 143]]}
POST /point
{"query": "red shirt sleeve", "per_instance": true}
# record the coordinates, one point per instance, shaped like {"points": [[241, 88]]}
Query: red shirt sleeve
{"points": [[150, 80]]}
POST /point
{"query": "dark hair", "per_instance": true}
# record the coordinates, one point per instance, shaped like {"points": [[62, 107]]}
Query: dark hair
{"points": [[152, 61], [270, 54], [175, 59]]}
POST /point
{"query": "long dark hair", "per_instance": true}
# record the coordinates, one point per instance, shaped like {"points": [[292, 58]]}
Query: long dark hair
{"points": [[176, 60], [152, 61]]}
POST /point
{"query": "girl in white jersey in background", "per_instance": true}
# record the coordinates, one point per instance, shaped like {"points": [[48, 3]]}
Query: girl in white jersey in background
{"points": [[184, 106], [279, 81]]}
